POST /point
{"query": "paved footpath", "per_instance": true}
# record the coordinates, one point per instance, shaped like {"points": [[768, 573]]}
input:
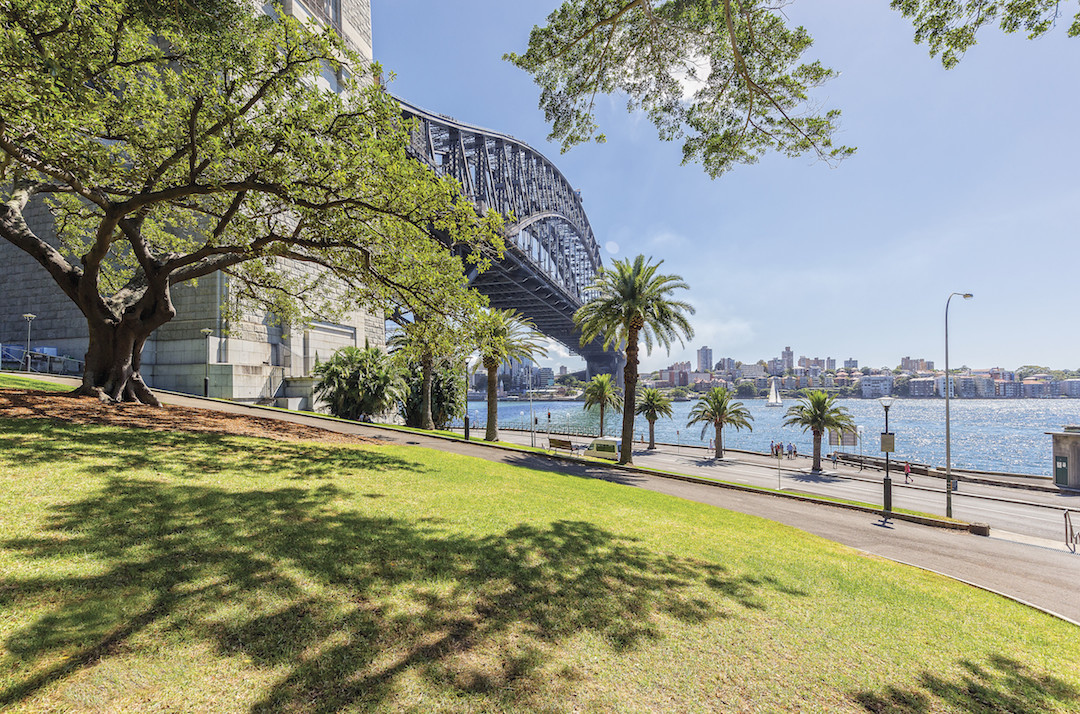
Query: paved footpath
{"points": [[1042, 577]]}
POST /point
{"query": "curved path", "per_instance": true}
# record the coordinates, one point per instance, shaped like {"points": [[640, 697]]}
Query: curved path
{"points": [[1042, 577]]}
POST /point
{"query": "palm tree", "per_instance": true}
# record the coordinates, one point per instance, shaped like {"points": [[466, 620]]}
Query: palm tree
{"points": [[633, 302], [653, 405], [602, 392], [717, 409], [817, 412], [503, 336], [359, 383]]}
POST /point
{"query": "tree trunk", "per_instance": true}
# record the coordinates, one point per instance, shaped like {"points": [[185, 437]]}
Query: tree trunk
{"points": [[652, 433], [427, 368], [817, 452], [719, 440], [603, 409], [629, 394], [492, 432], [114, 354]]}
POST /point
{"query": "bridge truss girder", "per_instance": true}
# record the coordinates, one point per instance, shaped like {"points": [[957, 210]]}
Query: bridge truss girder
{"points": [[552, 256]]}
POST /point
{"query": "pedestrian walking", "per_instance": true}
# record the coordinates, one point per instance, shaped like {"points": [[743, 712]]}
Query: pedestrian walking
{"points": [[834, 459], [794, 451], [907, 473]]}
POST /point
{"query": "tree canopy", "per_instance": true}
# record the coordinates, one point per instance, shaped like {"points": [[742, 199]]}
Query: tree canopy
{"points": [[172, 141], [726, 77]]}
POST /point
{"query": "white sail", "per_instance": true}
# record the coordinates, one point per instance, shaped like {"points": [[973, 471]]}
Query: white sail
{"points": [[774, 395]]}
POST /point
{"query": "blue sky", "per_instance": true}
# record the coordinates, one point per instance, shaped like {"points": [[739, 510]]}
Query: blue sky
{"points": [[965, 180]]}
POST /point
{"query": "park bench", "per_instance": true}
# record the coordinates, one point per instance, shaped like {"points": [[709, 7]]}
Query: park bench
{"points": [[555, 444]]}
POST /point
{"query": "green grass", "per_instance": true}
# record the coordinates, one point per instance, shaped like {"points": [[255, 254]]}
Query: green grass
{"points": [[15, 381], [171, 572]]}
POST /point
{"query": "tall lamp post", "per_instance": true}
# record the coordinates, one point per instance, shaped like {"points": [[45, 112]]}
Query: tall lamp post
{"points": [[887, 445], [29, 317], [948, 390], [206, 331]]}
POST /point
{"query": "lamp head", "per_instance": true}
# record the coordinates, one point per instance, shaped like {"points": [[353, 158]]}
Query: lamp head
{"points": [[968, 296], [206, 331], [887, 402], [29, 316]]}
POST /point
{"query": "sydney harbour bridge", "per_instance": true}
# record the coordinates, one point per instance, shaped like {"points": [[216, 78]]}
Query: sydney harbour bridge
{"points": [[551, 254]]}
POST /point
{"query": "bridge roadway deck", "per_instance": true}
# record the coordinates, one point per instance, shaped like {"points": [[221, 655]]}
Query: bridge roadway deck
{"points": [[1029, 570]]}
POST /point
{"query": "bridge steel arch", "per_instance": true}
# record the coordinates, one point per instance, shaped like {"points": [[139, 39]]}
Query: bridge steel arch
{"points": [[551, 254]]}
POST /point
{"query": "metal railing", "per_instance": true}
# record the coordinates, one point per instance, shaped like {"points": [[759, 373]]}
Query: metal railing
{"points": [[15, 358]]}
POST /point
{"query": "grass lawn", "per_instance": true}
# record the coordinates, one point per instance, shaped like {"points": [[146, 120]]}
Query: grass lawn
{"points": [[170, 572], [16, 381]]}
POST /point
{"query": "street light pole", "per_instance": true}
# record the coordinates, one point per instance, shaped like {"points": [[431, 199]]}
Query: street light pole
{"points": [[29, 317], [887, 448], [948, 390], [206, 332]]}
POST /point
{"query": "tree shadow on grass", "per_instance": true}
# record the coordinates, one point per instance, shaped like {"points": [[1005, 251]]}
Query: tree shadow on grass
{"points": [[468, 614], [1000, 685], [111, 450]]}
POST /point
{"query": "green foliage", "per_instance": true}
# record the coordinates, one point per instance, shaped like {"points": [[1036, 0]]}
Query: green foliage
{"points": [[726, 78], [168, 152], [817, 412], [746, 390], [634, 301], [602, 393], [716, 409], [447, 395], [359, 384], [503, 336], [728, 81], [653, 404], [949, 27]]}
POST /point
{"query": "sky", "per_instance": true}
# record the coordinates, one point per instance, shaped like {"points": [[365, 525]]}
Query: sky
{"points": [[965, 180]]}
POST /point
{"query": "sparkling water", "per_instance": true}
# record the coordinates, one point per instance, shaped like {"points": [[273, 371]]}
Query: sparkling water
{"points": [[987, 434]]}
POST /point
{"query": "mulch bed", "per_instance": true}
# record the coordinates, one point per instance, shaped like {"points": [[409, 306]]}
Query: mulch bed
{"points": [[28, 404]]}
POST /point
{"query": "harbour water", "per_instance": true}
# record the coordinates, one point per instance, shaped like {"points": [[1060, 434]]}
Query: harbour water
{"points": [[987, 434]]}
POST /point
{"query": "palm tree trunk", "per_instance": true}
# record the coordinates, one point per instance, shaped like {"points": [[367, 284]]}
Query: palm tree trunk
{"points": [[652, 433], [427, 368], [492, 432], [602, 410], [719, 441], [817, 451], [629, 394]]}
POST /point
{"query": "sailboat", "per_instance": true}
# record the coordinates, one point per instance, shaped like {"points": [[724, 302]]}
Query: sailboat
{"points": [[774, 395]]}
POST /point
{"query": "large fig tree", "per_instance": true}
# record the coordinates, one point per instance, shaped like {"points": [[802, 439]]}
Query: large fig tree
{"points": [[173, 140]]}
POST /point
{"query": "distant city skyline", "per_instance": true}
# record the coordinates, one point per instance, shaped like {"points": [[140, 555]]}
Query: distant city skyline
{"points": [[965, 181]]}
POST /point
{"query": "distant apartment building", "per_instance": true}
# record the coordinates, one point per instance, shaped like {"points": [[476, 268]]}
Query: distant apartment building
{"points": [[788, 358], [752, 370], [1008, 389], [973, 387], [907, 364], [1070, 387], [725, 364], [545, 378], [851, 363], [704, 360], [817, 362], [922, 387], [874, 386], [775, 366], [1035, 388]]}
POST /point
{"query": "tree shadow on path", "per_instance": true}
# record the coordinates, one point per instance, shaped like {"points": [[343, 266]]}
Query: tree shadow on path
{"points": [[475, 614]]}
